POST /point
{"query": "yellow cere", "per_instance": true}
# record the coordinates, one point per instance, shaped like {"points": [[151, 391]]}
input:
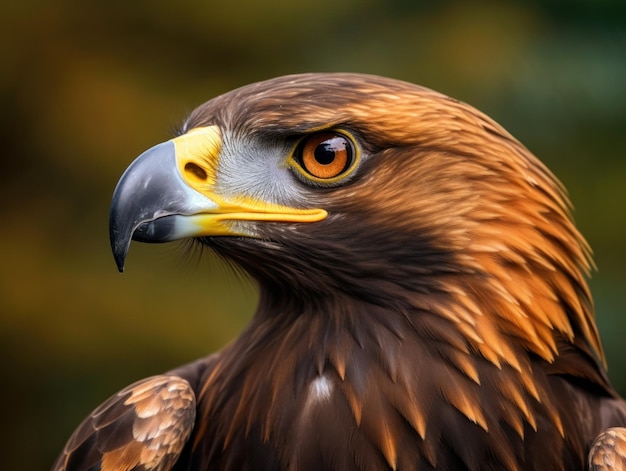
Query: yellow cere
{"points": [[197, 153], [197, 156]]}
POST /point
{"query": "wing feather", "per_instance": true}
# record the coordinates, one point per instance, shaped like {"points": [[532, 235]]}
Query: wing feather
{"points": [[143, 427], [608, 451]]}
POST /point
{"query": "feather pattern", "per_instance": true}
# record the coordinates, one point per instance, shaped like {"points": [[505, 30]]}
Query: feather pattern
{"points": [[143, 427], [608, 451]]}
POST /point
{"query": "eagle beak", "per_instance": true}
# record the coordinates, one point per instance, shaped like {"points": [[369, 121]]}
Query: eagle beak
{"points": [[169, 192]]}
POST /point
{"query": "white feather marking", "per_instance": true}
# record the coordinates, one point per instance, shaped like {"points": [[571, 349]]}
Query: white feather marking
{"points": [[320, 389], [317, 395]]}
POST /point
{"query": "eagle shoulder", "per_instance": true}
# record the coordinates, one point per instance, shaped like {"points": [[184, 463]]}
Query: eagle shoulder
{"points": [[608, 451], [143, 427]]}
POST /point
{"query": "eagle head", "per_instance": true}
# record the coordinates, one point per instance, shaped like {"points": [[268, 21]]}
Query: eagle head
{"points": [[368, 187]]}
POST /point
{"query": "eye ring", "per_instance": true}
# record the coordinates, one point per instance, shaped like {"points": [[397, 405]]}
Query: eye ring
{"points": [[326, 157]]}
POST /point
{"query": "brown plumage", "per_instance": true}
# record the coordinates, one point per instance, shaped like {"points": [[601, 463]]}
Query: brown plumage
{"points": [[608, 451], [423, 304]]}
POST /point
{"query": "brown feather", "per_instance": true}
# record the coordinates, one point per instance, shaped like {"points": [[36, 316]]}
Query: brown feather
{"points": [[608, 451], [143, 427]]}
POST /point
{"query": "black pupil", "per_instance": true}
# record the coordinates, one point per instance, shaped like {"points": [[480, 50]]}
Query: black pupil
{"points": [[325, 152]]}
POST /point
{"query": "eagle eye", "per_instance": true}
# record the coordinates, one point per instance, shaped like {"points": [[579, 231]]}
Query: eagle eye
{"points": [[325, 156]]}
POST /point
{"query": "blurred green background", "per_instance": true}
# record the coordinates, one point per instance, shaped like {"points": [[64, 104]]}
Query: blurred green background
{"points": [[87, 86]]}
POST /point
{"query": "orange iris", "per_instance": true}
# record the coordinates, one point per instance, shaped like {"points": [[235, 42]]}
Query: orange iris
{"points": [[326, 155]]}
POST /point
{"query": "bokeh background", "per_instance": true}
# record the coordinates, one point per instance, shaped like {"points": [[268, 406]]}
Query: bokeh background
{"points": [[87, 86]]}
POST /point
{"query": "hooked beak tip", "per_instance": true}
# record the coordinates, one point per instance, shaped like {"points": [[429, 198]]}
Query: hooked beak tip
{"points": [[119, 254], [120, 265]]}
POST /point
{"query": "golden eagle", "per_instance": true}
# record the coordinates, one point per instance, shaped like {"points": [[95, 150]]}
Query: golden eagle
{"points": [[423, 295]]}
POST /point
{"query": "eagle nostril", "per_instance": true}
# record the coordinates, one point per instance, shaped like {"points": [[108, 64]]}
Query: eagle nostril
{"points": [[195, 171]]}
